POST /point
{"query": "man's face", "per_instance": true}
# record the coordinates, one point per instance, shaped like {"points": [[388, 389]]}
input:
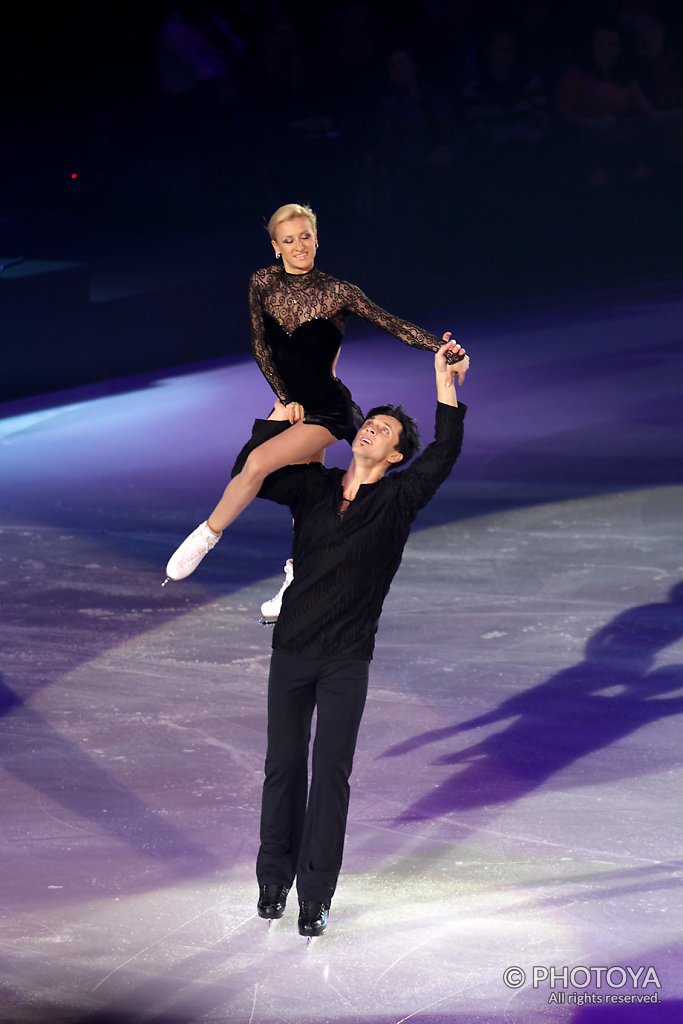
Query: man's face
{"points": [[377, 439]]}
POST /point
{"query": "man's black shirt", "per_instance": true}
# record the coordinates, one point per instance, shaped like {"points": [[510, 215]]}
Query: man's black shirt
{"points": [[346, 553]]}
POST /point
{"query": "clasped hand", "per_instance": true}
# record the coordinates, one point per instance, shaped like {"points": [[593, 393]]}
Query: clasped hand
{"points": [[450, 369]]}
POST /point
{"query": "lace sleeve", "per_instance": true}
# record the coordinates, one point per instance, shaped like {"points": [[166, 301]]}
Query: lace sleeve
{"points": [[259, 345], [358, 303]]}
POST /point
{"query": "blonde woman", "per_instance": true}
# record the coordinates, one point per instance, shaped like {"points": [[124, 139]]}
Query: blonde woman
{"points": [[297, 315]]}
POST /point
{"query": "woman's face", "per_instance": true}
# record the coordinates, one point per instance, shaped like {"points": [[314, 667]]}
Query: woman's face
{"points": [[296, 241]]}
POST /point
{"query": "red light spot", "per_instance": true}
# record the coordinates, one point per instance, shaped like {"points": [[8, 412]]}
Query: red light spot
{"points": [[74, 176]]}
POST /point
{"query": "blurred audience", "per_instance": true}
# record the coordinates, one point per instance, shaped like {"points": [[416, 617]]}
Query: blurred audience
{"points": [[404, 93], [198, 57], [291, 131], [353, 59], [501, 101], [197, 46], [505, 105], [659, 73], [415, 136], [284, 88], [541, 34], [436, 33], [611, 120]]}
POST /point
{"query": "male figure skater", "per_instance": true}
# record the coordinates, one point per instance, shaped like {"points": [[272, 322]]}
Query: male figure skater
{"points": [[350, 529]]}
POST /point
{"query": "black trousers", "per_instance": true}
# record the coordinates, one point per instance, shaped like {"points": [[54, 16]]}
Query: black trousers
{"points": [[302, 828]]}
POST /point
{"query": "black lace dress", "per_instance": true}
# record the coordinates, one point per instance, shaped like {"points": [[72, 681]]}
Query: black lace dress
{"points": [[297, 323]]}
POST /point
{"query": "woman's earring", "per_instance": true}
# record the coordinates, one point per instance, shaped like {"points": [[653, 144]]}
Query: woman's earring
{"points": [[277, 255]]}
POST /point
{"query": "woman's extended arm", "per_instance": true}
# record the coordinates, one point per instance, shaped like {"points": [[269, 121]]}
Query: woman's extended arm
{"points": [[359, 304]]}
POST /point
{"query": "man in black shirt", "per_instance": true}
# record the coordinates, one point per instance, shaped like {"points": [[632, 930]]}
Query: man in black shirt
{"points": [[350, 528]]}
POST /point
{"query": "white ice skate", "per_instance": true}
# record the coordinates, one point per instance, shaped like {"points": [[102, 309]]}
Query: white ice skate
{"points": [[271, 609], [187, 557]]}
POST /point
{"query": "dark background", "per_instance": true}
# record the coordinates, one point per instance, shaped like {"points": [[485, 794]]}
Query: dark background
{"points": [[457, 196]]}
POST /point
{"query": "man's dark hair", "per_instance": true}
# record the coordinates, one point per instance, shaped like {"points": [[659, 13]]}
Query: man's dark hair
{"points": [[408, 443]]}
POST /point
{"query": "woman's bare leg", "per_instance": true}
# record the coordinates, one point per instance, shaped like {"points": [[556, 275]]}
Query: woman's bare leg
{"points": [[299, 443], [279, 414]]}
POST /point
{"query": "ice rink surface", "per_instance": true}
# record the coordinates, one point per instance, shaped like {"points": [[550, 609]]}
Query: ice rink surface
{"points": [[514, 841]]}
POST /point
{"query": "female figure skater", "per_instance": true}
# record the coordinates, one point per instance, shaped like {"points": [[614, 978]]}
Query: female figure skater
{"points": [[298, 315]]}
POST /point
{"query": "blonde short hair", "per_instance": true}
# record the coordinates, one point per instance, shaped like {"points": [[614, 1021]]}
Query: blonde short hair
{"points": [[288, 211]]}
